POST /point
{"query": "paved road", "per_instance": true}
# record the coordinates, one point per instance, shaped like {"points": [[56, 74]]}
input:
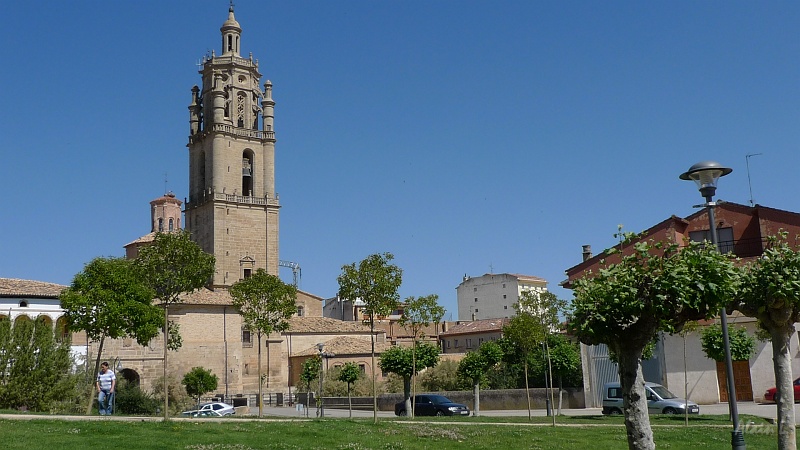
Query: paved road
{"points": [[766, 410]]}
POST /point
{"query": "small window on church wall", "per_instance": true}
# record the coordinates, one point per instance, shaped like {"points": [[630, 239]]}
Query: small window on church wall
{"points": [[230, 42], [247, 339], [299, 311], [23, 304], [247, 273], [160, 224], [171, 225]]}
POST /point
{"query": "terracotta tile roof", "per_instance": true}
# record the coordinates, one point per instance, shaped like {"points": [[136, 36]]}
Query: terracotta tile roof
{"points": [[346, 346], [222, 297], [13, 287], [326, 325], [146, 239], [477, 326]]}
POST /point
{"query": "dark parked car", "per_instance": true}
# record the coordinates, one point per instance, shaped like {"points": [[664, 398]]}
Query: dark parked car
{"points": [[772, 393], [432, 405]]}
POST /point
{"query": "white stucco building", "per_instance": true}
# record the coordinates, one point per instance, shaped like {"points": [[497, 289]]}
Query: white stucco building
{"points": [[492, 295]]}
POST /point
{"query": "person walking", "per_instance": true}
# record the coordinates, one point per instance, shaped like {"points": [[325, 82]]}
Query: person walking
{"points": [[106, 387]]}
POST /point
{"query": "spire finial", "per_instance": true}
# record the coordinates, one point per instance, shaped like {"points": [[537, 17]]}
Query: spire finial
{"points": [[231, 8]]}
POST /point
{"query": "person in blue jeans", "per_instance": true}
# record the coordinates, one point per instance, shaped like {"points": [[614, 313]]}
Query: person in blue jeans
{"points": [[106, 386]]}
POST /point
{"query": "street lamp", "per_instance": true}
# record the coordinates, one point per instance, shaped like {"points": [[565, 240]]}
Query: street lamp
{"points": [[320, 408], [706, 174]]}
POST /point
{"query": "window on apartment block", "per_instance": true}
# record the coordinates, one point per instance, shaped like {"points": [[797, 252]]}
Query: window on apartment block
{"points": [[505, 306], [469, 343], [505, 296], [476, 299], [474, 289], [455, 343]]}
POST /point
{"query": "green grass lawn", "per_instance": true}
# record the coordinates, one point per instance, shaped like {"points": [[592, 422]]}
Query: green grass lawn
{"points": [[594, 433]]}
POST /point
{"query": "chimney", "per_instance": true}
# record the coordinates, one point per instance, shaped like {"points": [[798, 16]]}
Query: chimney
{"points": [[587, 252]]}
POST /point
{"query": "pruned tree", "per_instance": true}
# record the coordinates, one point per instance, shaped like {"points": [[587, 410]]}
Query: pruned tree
{"points": [[658, 287], [265, 303], [419, 313], [349, 373], [375, 282], [475, 365], [770, 292], [173, 265], [401, 361], [108, 299], [198, 382]]}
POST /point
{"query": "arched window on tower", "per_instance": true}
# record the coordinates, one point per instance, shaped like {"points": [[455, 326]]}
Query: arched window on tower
{"points": [[230, 42], [171, 224], [160, 224], [247, 173], [202, 172]]}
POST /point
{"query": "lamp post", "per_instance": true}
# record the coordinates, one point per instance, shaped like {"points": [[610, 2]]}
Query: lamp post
{"points": [[117, 367], [706, 174]]}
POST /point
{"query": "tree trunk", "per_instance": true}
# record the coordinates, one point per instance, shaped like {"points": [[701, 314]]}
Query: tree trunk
{"points": [[560, 390], [782, 362], [166, 341], [407, 396], [476, 398], [413, 376], [94, 376], [349, 401], [634, 403], [372, 368], [260, 393], [550, 370], [527, 388]]}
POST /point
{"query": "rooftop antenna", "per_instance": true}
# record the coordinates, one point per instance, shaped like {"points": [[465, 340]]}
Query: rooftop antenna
{"points": [[749, 185]]}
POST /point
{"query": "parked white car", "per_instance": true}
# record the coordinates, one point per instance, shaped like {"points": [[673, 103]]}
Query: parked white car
{"points": [[659, 400], [211, 409]]}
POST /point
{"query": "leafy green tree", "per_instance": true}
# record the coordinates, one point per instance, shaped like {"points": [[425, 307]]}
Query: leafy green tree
{"points": [[524, 333], [198, 382], [36, 367], [742, 345], [109, 300], [266, 303], [349, 373], [309, 373], [770, 292], [475, 365], [658, 287], [173, 265], [375, 282], [418, 313], [401, 361], [442, 377], [565, 362]]}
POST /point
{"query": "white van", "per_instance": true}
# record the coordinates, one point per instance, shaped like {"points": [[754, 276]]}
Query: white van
{"points": [[659, 400]]}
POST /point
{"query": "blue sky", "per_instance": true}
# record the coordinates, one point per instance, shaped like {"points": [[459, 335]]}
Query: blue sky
{"points": [[465, 137]]}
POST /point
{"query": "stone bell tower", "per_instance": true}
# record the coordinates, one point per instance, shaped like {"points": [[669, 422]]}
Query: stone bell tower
{"points": [[232, 210]]}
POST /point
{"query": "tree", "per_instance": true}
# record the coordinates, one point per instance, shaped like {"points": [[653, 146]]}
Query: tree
{"points": [[770, 292], [172, 266], [658, 287], [475, 365], [401, 361], [523, 332], [546, 308], [198, 382], [308, 374], [565, 362], [349, 373], [742, 345], [265, 303], [419, 313], [109, 300], [375, 282], [442, 377], [34, 366]]}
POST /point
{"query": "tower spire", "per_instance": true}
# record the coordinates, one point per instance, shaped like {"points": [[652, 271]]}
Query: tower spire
{"points": [[231, 33]]}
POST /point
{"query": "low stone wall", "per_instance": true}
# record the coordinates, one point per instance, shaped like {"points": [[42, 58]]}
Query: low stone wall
{"points": [[572, 398]]}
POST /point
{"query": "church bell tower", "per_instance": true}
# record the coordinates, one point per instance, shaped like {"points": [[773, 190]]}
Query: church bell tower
{"points": [[232, 210]]}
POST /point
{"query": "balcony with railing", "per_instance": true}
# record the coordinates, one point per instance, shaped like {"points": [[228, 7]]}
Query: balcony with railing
{"points": [[203, 197]]}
